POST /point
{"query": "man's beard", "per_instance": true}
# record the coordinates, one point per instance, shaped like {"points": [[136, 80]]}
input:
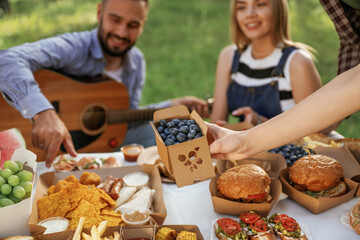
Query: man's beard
{"points": [[115, 51]]}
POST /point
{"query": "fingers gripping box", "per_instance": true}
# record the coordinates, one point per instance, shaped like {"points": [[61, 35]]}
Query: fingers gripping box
{"points": [[189, 161]]}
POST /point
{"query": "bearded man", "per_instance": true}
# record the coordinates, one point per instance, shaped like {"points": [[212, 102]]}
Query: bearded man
{"points": [[107, 50]]}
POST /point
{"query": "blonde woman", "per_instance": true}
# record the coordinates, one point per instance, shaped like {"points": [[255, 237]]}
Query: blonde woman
{"points": [[263, 73]]}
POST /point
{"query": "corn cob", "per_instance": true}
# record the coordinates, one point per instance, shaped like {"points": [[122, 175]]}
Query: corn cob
{"points": [[184, 235], [165, 233]]}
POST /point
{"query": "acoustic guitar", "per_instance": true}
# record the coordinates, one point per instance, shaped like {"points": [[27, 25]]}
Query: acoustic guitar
{"points": [[95, 113]]}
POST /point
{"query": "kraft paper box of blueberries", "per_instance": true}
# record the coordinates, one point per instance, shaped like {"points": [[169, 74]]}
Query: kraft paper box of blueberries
{"points": [[182, 144]]}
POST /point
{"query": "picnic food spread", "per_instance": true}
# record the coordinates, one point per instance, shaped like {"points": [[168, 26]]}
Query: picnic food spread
{"points": [[100, 205]]}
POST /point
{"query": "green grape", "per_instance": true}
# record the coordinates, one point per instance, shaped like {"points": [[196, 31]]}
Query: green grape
{"points": [[27, 186], [2, 181], [19, 192], [5, 189], [13, 166], [13, 198], [13, 180], [4, 202], [20, 164], [2, 196], [6, 173], [27, 195], [25, 176]]}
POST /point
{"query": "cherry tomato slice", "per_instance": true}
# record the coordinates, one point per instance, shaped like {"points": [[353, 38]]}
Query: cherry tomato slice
{"points": [[259, 225], [249, 217], [229, 226], [279, 217], [290, 224]]}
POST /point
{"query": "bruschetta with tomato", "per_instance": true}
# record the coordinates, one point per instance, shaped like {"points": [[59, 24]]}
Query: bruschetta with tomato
{"points": [[256, 227], [286, 227], [229, 229]]}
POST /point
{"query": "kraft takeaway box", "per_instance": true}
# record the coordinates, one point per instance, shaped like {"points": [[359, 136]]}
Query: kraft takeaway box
{"points": [[15, 217], [126, 232], [189, 161], [51, 178], [232, 207], [316, 205]]}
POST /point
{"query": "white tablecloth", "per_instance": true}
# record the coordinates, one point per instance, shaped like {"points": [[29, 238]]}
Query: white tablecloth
{"points": [[192, 205]]}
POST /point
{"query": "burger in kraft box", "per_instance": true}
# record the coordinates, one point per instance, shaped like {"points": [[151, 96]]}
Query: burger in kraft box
{"points": [[188, 159], [245, 187], [318, 182]]}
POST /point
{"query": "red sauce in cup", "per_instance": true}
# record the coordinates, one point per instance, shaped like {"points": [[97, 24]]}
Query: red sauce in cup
{"points": [[132, 151]]}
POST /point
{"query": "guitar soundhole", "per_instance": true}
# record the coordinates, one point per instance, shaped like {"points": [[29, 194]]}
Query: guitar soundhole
{"points": [[94, 118]]}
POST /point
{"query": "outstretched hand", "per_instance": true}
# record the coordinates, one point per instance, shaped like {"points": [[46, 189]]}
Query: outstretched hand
{"points": [[250, 115], [227, 144], [192, 103], [48, 133]]}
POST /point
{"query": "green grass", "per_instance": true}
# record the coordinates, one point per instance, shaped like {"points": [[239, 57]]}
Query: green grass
{"points": [[181, 40]]}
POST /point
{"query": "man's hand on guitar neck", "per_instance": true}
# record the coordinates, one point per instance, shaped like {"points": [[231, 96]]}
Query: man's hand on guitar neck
{"points": [[48, 133], [192, 103]]}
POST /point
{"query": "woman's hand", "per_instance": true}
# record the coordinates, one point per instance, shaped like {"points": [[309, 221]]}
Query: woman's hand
{"points": [[227, 144], [250, 115]]}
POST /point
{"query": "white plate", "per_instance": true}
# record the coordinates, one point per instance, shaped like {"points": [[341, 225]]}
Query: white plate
{"points": [[303, 226], [97, 156]]}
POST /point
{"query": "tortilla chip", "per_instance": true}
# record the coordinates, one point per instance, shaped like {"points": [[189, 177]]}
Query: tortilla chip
{"points": [[54, 205], [84, 209], [112, 220], [74, 200]]}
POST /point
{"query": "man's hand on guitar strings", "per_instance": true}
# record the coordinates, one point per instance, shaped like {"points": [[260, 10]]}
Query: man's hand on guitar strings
{"points": [[48, 133]]}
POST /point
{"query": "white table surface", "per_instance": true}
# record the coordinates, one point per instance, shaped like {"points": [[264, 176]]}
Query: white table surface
{"points": [[192, 205]]}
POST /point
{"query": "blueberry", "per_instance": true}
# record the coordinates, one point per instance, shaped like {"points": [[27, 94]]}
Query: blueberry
{"points": [[176, 121], [184, 129], [166, 131], [194, 127], [174, 131], [176, 142], [299, 156], [293, 158], [163, 136], [286, 150], [160, 129], [198, 135], [180, 124], [169, 142], [286, 155], [163, 123], [184, 121], [170, 124], [181, 137], [191, 134], [191, 121], [172, 137]]}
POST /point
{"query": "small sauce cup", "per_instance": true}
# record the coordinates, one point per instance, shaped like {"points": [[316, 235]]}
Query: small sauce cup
{"points": [[136, 216], [54, 224], [132, 151]]}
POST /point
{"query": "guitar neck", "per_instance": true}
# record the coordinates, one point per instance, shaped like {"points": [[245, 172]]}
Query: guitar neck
{"points": [[125, 116]]}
